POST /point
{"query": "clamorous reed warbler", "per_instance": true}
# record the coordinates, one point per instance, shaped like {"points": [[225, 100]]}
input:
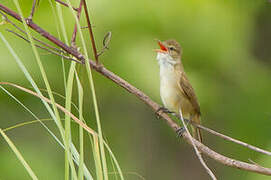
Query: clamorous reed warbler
{"points": [[176, 92]]}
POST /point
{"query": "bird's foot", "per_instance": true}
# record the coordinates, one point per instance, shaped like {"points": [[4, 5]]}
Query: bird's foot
{"points": [[180, 131], [162, 110]]}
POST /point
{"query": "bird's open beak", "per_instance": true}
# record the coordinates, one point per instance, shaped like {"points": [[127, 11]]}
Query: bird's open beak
{"points": [[162, 49]]}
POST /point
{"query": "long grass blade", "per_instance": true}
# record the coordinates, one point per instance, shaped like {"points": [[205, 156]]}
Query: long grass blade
{"points": [[68, 118], [28, 110], [103, 157], [81, 132], [53, 5], [32, 82], [68, 90], [19, 155], [47, 84], [45, 79]]}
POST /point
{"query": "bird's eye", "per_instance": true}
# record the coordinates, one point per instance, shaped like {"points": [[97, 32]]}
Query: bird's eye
{"points": [[171, 48]]}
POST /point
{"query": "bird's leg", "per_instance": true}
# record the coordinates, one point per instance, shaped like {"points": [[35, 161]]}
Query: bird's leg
{"points": [[162, 110]]}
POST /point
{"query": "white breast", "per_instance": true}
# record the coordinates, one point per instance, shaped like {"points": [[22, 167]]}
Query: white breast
{"points": [[168, 82]]}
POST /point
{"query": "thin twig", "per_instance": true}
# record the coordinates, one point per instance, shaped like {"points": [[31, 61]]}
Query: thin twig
{"points": [[91, 32], [75, 26], [32, 10], [44, 48], [44, 33], [208, 170], [20, 29], [143, 97], [254, 148], [65, 4]]}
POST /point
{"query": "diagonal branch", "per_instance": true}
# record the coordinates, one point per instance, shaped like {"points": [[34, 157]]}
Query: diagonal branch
{"points": [[44, 48], [44, 33], [21, 30], [143, 97]]}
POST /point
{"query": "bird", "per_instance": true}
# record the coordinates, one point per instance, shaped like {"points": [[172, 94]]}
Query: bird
{"points": [[176, 92]]}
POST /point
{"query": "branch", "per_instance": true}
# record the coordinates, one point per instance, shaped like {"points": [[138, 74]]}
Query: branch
{"points": [[208, 170], [65, 4], [44, 33], [204, 149], [35, 39], [32, 10], [44, 48], [254, 148], [143, 97], [90, 32]]}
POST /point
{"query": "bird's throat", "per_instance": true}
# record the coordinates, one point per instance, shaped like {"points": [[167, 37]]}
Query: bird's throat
{"points": [[165, 59]]}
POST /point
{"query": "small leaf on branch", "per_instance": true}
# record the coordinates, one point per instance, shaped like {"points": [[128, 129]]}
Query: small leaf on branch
{"points": [[106, 42], [107, 39]]}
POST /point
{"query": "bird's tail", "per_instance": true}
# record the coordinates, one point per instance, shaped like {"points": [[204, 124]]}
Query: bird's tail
{"points": [[196, 131]]}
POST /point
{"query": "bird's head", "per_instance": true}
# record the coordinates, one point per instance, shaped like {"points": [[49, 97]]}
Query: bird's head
{"points": [[170, 50]]}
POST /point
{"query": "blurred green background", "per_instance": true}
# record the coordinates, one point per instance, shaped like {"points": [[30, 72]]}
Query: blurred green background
{"points": [[226, 54]]}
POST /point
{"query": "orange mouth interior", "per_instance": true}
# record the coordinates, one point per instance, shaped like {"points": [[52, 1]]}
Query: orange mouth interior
{"points": [[162, 47]]}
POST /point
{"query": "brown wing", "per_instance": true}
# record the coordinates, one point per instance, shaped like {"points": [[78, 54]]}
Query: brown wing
{"points": [[189, 91]]}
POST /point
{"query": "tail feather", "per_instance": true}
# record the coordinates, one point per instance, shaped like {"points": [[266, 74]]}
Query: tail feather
{"points": [[196, 131], [199, 135]]}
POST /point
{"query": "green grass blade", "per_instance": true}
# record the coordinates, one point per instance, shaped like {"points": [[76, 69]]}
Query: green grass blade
{"points": [[68, 90], [30, 79], [68, 119], [19, 155], [47, 84], [27, 74], [88, 129], [81, 132], [62, 24], [73, 149], [76, 155], [28, 110], [45, 79], [103, 157], [53, 4], [97, 157], [115, 160]]}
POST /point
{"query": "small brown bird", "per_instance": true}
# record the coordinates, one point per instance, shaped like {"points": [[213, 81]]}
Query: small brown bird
{"points": [[175, 90]]}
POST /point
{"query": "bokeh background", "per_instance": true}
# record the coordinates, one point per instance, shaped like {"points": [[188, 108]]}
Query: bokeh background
{"points": [[226, 54]]}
